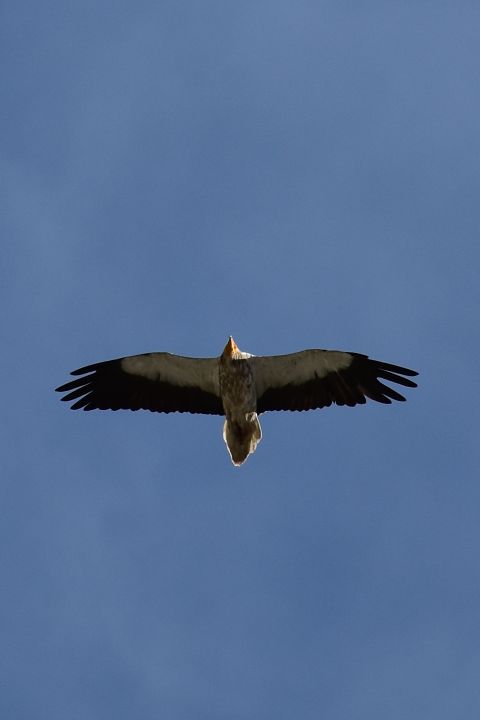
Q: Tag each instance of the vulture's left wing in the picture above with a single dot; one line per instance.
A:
(317, 378)
(159, 382)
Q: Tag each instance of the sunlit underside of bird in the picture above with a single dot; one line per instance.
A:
(237, 385)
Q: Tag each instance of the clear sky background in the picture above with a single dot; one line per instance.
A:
(299, 174)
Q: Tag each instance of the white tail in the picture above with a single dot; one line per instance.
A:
(242, 438)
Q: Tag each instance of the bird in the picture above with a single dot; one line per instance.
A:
(237, 385)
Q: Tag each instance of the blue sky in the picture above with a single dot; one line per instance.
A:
(299, 175)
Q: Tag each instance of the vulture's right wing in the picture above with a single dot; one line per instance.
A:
(159, 382)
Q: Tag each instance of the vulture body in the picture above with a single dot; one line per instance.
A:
(236, 385)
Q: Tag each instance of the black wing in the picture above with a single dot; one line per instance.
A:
(317, 378)
(159, 382)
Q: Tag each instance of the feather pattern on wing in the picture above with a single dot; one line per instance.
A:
(160, 382)
(317, 378)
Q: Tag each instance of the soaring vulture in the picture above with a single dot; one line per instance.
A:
(237, 385)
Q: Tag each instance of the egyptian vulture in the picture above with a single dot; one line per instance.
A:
(237, 385)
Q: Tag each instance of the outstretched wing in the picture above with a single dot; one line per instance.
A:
(159, 382)
(317, 378)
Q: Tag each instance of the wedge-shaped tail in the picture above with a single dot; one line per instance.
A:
(242, 438)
